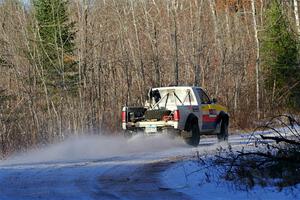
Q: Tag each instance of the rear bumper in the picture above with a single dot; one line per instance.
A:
(143, 125)
(161, 127)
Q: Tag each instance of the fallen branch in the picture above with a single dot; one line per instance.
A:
(280, 139)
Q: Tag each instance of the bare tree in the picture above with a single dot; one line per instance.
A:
(296, 13)
(257, 70)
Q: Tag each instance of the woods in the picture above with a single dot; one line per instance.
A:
(67, 67)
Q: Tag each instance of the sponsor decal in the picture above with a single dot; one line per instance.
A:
(213, 113)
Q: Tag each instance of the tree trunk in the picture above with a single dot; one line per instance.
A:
(257, 58)
(217, 72)
(296, 16)
(175, 37)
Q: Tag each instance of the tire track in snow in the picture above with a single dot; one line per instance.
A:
(141, 183)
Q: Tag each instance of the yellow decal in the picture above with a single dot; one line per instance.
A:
(207, 107)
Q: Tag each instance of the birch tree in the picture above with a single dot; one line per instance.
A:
(296, 13)
(257, 58)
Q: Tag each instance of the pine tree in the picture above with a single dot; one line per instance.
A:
(56, 44)
(279, 48)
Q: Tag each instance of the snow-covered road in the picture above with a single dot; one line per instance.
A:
(113, 168)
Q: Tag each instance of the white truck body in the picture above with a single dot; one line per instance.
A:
(182, 104)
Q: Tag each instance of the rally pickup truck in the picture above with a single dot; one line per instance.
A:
(177, 110)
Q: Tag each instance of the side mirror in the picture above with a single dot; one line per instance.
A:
(214, 100)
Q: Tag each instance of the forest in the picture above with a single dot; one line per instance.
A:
(68, 66)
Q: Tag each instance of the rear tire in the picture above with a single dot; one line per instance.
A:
(195, 139)
(223, 135)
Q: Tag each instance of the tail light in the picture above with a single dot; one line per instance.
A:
(124, 116)
(176, 115)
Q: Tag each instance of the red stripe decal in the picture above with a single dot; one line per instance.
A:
(206, 118)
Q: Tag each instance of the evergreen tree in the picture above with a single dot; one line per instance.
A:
(56, 44)
(279, 47)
